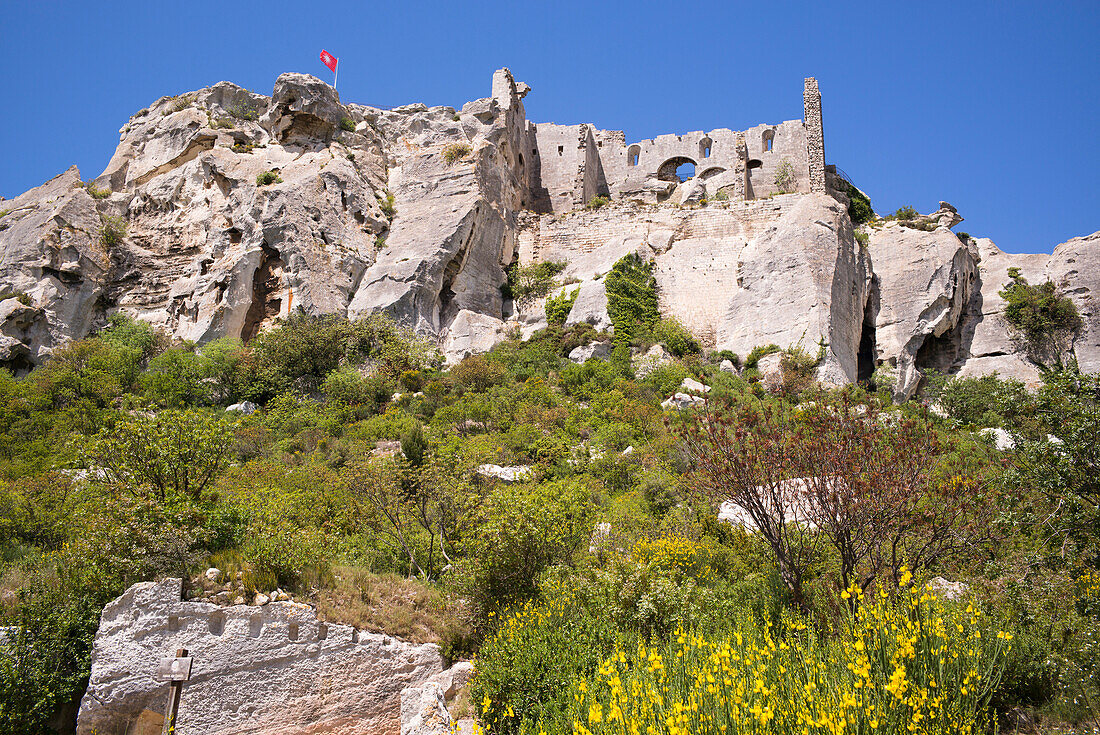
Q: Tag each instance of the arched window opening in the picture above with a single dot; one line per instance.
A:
(704, 147)
(769, 139)
(632, 154)
(680, 168)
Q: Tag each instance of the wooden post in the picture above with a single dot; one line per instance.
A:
(176, 670)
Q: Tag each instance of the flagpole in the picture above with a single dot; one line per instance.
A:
(335, 74)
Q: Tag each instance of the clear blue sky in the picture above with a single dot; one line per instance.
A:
(992, 106)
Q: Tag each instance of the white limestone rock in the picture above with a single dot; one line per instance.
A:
(248, 664)
(1001, 439)
(654, 358)
(245, 407)
(469, 334)
(726, 366)
(694, 386)
(681, 401)
(925, 283)
(424, 711)
(947, 590)
(590, 307)
(592, 350)
(504, 474)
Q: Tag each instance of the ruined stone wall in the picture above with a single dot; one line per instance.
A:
(562, 154)
(257, 669)
(788, 142)
(815, 136)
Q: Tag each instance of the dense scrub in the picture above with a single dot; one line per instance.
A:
(355, 486)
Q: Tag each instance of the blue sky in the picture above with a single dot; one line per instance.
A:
(990, 106)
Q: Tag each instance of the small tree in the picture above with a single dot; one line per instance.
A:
(172, 454)
(784, 177)
(1047, 319)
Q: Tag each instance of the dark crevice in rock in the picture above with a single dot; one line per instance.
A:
(866, 357)
(265, 285)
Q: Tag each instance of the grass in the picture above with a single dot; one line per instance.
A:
(112, 229)
(387, 603)
(268, 177)
(596, 202)
(387, 205)
(95, 192)
(455, 151)
(347, 124)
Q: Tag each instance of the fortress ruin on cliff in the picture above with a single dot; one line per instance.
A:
(570, 165)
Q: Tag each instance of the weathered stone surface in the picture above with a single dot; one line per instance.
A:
(584, 353)
(680, 401)
(590, 307)
(654, 358)
(504, 474)
(469, 333)
(424, 711)
(726, 366)
(925, 282)
(947, 590)
(690, 384)
(250, 665)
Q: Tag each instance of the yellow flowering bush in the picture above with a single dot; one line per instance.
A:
(908, 664)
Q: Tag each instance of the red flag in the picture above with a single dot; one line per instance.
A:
(328, 60)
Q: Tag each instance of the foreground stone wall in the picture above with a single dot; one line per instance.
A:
(257, 670)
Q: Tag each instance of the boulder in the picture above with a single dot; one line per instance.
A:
(654, 358)
(245, 407)
(590, 307)
(504, 474)
(680, 401)
(690, 384)
(726, 366)
(424, 711)
(946, 590)
(1001, 439)
(693, 192)
(249, 663)
(597, 350)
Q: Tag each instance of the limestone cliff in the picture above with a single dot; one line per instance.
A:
(222, 210)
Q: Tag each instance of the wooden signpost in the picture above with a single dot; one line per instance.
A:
(176, 670)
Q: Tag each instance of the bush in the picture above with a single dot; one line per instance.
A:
(760, 351)
(521, 530)
(596, 202)
(526, 667)
(984, 401)
(1047, 319)
(530, 282)
(558, 307)
(675, 337)
(284, 558)
(95, 192)
(631, 298)
(784, 177)
(862, 238)
(904, 214)
(859, 206)
(387, 205)
(455, 151)
(268, 177)
(243, 112)
(894, 664)
(112, 230)
(347, 124)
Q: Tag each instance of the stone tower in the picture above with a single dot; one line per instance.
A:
(815, 136)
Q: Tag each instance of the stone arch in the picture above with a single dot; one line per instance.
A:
(768, 140)
(711, 172)
(667, 170)
(704, 146)
(632, 154)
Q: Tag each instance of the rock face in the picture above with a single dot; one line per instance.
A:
(270, 669)
(223, 210)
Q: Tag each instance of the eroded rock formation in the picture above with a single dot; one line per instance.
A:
(231, 209)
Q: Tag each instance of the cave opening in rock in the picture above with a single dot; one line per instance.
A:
(866, 357)
(265, 289)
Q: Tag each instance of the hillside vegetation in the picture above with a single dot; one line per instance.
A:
(600, 592)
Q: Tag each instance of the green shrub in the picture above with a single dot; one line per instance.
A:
(984, 401)
(242, 147)
(379, 242)
(530, 282)
(631, 298)
(720, 355)
(386, 204)
(521, 530)
(455, 151)
(904, 214)
(784, 177)
(596, 202)
(758, 352)
(862, 238)
(526, 666)
(666, 379)
(284, 558)
(268, 177)
(859, 206)
(244, 112)
(95, 192)
(21, 296)
(112, 230)
(1046, 318)
(347, 124)
(964, 237)
(674, 336)
(558, 307)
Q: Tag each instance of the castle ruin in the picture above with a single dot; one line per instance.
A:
(572, 164)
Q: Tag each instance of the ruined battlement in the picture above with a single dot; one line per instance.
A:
(572, 164)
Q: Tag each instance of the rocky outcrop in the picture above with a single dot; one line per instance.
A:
(270, 669)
